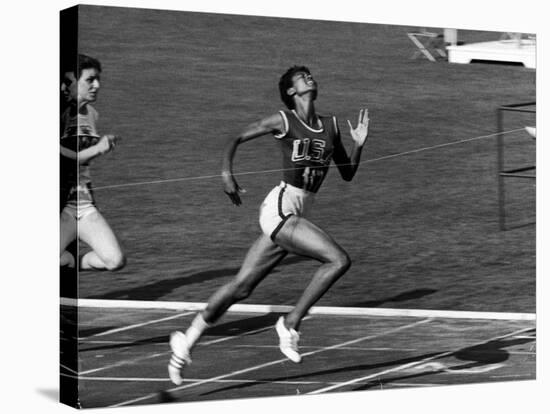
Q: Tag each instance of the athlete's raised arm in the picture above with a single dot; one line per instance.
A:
(270, 124)
(348, 165)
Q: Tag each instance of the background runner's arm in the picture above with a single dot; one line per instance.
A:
(105, 144)
(257, 129)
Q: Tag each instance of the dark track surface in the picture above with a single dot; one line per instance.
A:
(239, 358)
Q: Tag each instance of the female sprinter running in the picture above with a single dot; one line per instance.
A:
(308, 142)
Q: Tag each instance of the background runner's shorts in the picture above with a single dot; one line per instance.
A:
(282, 202)
(80, 202)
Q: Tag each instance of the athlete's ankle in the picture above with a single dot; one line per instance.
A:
(291, 322)
(196, 330)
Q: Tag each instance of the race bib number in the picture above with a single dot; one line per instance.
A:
(313, 178)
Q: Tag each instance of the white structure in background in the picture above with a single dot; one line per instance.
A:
(450, 36)
(511, 47)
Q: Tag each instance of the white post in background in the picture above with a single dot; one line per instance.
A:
(450, 36)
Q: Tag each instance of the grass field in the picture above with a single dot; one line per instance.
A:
(421, 228)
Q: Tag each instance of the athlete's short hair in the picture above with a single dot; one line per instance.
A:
(87, 62)
(286, 82)
(78, 64)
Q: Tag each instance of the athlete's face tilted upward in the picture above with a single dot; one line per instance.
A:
(302, 83)
(294, 79)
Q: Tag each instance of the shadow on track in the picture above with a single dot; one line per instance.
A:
(158, 289)
(491, 352)
(233, 328)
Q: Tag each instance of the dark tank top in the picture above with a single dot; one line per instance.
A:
(307, 151)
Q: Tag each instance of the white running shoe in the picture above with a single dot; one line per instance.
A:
(288, 341)
(180, 356)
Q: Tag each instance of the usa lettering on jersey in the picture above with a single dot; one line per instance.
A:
(308, 150)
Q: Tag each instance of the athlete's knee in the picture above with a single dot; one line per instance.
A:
(115, 262)
(341, 260)
(66, 259)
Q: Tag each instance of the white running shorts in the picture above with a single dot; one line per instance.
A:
(78, 212)
(282, 202)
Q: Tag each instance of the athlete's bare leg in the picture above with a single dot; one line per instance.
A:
(106, 253)
(67, 235)
(261, 258)
(302, 237)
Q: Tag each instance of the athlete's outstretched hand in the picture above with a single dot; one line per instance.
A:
(232, 189)
(360, 133)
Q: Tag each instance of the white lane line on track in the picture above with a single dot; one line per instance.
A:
(242, 381)
(514, 376)
(137, 325)
(347, 348)
(227, 338)
(125, 362)
(192, 380)
(441, 367)
(414, 384)
(205, 343)
(315, 310)
(344, 348)
(410, 364)
(278, 361)
(207, 177)
(68, 369)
